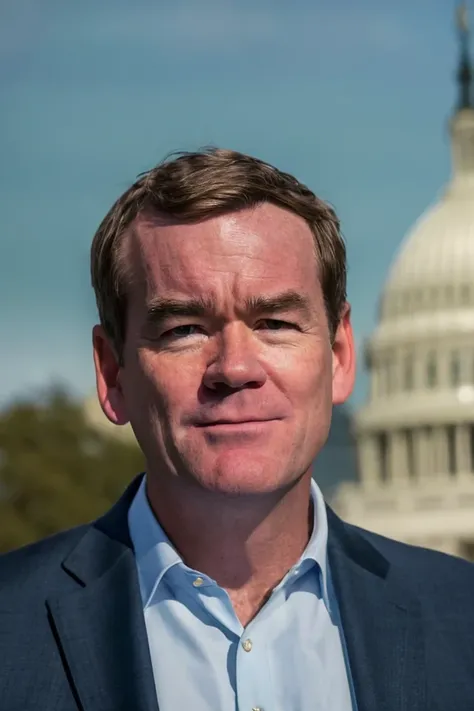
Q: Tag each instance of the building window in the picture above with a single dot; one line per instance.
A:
(451, 440)
(431, 371)
(455, 369)
(383, 456)
(408, 372)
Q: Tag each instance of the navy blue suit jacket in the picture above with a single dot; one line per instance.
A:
(73, 637)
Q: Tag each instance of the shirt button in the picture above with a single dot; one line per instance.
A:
(198, 582)
(247, 645)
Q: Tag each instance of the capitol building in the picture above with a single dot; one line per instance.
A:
(415, 435)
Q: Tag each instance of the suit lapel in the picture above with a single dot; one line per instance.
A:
(100, 626)
(381, 623)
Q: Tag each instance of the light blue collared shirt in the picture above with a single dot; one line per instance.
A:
(290, 657)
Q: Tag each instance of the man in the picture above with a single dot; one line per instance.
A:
(220, 580)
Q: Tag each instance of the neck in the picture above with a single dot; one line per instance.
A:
(246, 544)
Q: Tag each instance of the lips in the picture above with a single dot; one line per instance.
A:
(232, 421)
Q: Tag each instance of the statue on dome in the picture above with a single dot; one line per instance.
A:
(465, 68)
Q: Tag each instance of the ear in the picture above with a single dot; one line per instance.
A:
(107, 373)
(343, 359)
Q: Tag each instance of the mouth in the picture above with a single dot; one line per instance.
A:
(237, 423)
(238, 427)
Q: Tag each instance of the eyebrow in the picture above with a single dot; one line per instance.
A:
(160, 309)
(279, 303)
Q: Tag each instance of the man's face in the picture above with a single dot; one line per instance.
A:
(229, 374)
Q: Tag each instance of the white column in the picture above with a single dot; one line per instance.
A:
(463, 451)
(440, 449)
(427, 436)
(398, 466)
(423, 453)
(419, 453)
(369, 461)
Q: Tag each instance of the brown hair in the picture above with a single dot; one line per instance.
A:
(195, 186)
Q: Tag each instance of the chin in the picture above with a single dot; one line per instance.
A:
(236, 474)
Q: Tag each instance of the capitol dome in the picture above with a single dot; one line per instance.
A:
(439, 250)
(415, 434)
(430, 286)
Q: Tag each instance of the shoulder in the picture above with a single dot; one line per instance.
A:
(422, 568)
(35, 569)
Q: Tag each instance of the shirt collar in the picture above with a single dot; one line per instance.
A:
(155, 554)
(316, 550)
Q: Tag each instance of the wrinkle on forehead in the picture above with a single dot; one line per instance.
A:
(241, 250)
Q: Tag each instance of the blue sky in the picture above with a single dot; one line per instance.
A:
(351, 97)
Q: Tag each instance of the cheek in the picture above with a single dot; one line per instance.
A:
(316, 392)
(143, 386)
(168, 385)
(306, 377)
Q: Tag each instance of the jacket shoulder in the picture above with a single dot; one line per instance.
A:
(422, 566)
(35, 569)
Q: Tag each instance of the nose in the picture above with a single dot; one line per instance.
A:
(236, 364)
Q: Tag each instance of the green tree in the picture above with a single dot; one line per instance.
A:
(56, 470)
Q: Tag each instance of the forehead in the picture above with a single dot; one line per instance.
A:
(261, 249)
